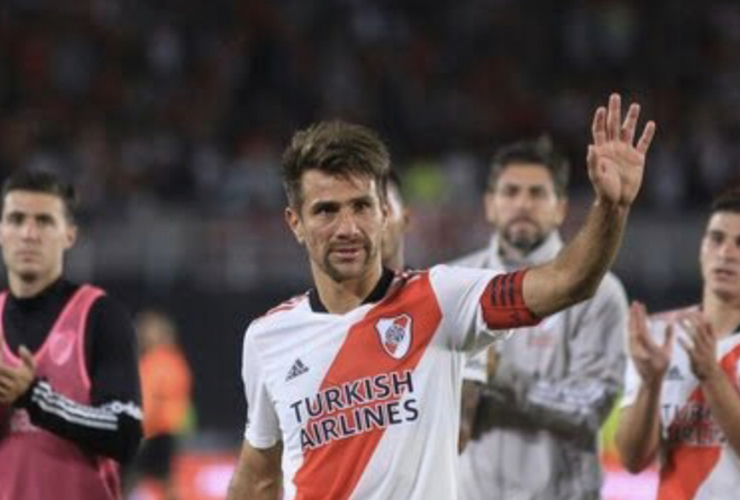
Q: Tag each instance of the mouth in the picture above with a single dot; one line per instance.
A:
(347, 253)
(724, 273)
(27, 254)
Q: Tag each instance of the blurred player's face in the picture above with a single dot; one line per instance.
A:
(720, 255)
(34, 234)
(395, 227)
(524, 207)
(340, 221)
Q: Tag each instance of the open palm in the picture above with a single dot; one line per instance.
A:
(616, 165)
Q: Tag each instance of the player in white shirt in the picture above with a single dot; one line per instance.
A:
(353, 388)
(682, 399)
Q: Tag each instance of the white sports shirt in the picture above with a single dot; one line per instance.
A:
(367, 404)
(696, 461)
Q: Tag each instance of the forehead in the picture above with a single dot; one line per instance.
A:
(727, 222)
(32, 203)
(525, 174)
(318, 186)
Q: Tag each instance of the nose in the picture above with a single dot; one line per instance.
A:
(523, 202)
(729, 251)
(30, 230)
(347, 225)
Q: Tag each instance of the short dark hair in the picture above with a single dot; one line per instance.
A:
(541, 152)
(335, 148)
(727, 201)
(41, 181)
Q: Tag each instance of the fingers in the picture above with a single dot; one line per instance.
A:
(668, 339)
(647, 137)
(613, 119)
(598, 127)
(687, 347)
(627, 133)
(27, 358)
(700, 331)
(637, 319)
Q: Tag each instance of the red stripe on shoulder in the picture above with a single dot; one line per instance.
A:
(285, 306)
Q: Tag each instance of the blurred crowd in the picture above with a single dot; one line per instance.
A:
(188, 103)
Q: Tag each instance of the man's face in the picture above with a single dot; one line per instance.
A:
(340, 222)
(720, 255)
(524, 207)
(34, 234)
(395, 228)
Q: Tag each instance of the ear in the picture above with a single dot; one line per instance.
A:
(70, 236)
(561, 209)
(293, 218)
(489, 206)
(406, 219)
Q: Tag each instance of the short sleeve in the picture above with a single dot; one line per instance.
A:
(479, 306)
(262, 429)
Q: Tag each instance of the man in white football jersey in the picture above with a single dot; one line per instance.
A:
(353, 388)
(683, 403)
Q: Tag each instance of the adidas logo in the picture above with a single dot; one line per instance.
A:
(297, 369)
(674, 373)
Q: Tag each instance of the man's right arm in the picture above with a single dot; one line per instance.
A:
(257, 475)
(615, 168)
(638, 431)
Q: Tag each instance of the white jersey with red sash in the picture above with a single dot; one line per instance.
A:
(367, 403)
(37, 464)
(696, 462)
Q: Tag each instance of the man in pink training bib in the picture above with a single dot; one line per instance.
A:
(70, 411)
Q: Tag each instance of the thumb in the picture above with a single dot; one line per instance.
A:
(668, 339)
(27, 358)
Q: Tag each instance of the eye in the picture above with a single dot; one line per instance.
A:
(509, 191)
(324, 209)
(716, 237)
(362, 205)
(538, 192)
(45, 221)
(15, 218)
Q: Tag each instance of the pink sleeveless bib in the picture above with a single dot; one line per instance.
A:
(36, 464)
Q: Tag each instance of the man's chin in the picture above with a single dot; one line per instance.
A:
(725, 291)
(28, 275)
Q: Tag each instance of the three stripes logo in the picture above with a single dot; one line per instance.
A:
(674, 374)
(297, 369)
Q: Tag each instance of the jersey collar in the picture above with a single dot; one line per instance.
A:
(381, 288)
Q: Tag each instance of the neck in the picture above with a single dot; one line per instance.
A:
(24, 289)
(340, 297)
(723, 314)
(512, 255)
(395, 263)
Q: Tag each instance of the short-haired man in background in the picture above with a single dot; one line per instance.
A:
(396, 225)
(546, 390)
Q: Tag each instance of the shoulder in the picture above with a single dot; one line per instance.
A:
(611, 288)
(287, 312)
(474, 259)
(107, 309)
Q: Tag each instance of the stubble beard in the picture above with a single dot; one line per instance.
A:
(339, 275)
(524, 242)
